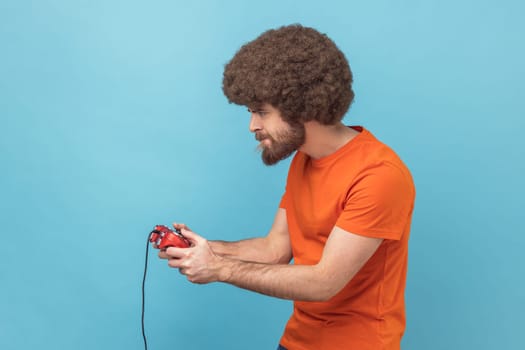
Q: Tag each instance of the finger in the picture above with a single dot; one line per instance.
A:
(176, 253)
(175, 263)
(162, 254)
(180, 226)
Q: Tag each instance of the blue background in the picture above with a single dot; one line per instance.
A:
(112, 120)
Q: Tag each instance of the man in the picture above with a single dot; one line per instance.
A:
(345, 215)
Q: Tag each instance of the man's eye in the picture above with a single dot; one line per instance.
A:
(259, 113)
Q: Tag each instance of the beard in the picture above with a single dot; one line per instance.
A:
(282, 145)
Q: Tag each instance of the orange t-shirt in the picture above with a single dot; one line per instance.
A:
(363, 188)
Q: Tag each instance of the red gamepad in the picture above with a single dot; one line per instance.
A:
(165, 237)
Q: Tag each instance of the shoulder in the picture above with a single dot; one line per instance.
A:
(375, 157)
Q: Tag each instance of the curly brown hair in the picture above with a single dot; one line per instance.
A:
(296, 69)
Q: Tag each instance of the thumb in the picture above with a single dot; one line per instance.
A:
(192, 236)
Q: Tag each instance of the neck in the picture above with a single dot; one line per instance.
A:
(323, 140)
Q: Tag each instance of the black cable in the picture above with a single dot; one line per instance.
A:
(143, 285)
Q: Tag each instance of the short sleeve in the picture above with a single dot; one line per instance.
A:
(379, 204)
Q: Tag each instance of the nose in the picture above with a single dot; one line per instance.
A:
(255, 122)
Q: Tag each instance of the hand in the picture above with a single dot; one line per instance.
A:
(177, 226)
(198, 263)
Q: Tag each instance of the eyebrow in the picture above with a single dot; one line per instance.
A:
(256, 110)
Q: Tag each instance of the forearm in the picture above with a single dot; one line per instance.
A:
(254, 249)
(343, 256)
(295, 282)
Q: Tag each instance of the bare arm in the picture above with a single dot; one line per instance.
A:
(343, 256)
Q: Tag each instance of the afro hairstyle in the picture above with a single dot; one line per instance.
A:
(296, 69)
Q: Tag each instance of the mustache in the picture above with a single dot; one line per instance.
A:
(261, 136)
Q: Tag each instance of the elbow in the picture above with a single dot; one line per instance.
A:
(319, 294)
(326, 285)
(325, 294)
(279, 260)
(281, 257)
